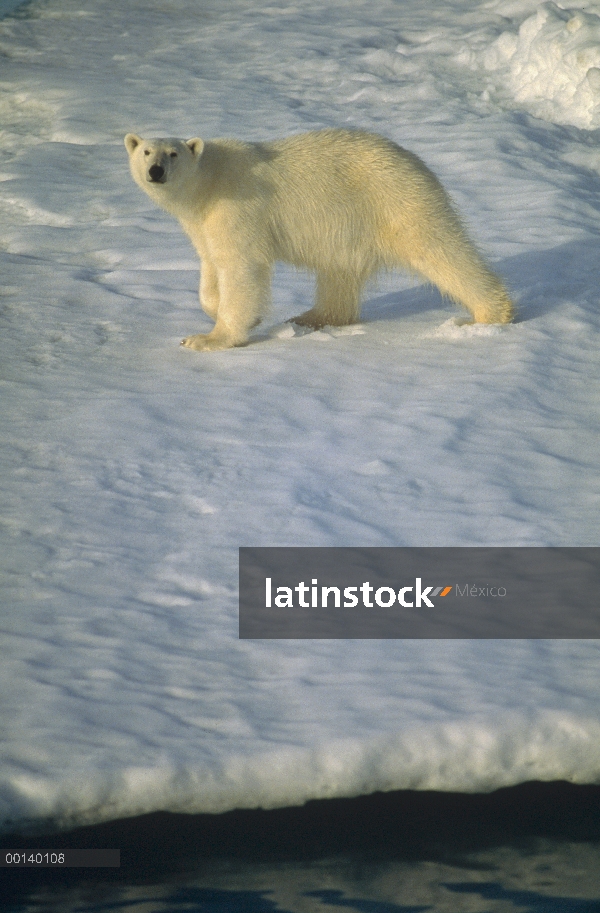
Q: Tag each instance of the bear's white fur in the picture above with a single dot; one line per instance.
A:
(343, 203)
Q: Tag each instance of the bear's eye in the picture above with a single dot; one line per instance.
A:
(173, 155)
(146, 152)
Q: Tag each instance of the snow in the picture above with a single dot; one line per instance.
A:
(553, 64)
(132, 470)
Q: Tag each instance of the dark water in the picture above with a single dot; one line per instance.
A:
(9, 6)
(531, 848)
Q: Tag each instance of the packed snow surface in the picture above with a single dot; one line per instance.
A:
(132, 469)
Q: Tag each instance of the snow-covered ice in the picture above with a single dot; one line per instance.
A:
(132, 470)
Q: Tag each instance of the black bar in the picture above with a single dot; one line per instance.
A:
(419, 592)
(59, 859)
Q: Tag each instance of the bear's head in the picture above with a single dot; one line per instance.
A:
(162, 167)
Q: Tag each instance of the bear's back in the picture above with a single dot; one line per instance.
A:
(331, 192)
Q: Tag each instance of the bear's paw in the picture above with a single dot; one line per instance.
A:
(207, 342)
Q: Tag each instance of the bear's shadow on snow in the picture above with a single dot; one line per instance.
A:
(539, 281)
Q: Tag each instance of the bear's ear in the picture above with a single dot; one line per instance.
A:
(196, 145)
(132, 142)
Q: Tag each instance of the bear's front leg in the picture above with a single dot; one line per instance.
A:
(209, 288)
(209, 302)
(244, 294)
(210, 342)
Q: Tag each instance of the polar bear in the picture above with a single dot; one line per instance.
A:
(342, 203)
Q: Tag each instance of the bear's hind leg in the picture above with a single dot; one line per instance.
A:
(337, 301)
(461, 273)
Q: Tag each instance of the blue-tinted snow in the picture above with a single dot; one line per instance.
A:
(133, 470)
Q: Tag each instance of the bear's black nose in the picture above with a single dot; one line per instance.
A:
(157, 173)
